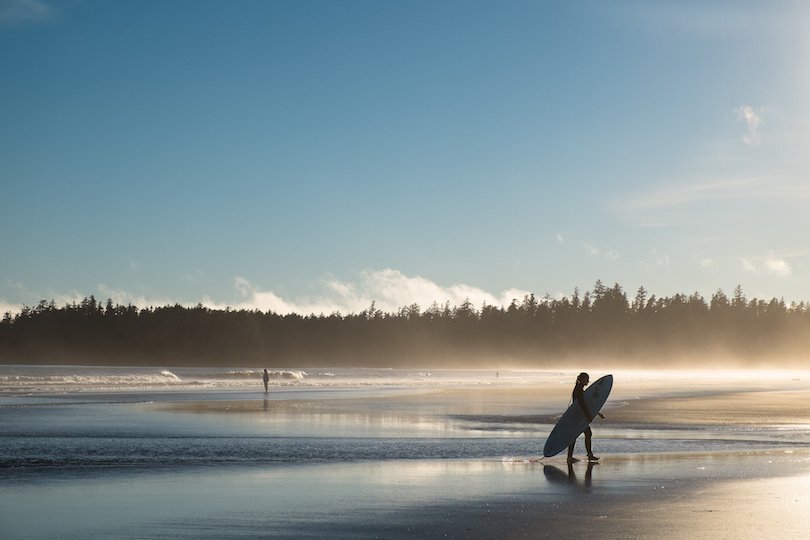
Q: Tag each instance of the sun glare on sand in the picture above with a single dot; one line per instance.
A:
(765, 374)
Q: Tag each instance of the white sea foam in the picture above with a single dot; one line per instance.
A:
(169, 375)
(297, 375)
(250, 374)
(72, 380)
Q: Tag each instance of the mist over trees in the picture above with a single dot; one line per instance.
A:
(603, 325)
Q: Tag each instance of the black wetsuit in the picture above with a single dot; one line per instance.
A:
(578, 396)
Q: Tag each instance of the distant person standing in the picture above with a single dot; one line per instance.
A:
(578, 395)
(265, 379)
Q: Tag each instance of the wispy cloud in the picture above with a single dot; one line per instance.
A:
(771, 264)
(656, 260)
(24, 10)
(688, 193)
(691, 203)
(778, 267)
(19, 289)
(594, 251)
(752, 119)
(748, 266)
(32, 298)
(559, 237)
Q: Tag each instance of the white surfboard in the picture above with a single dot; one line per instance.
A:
(573, 422)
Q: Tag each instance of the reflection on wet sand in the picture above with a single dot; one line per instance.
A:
(742, 496)
(554, 475)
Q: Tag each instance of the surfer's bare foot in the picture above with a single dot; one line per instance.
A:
(572, 459)
(593, 458)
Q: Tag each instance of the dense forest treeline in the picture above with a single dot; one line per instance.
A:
(601, 325)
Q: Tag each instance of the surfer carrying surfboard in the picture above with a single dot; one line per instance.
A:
(578, 395)
(578, 417)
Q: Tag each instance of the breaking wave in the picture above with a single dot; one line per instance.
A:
(257, 374)
(161, 378)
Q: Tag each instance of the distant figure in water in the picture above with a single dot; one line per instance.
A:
(578, 395)
(266, 379)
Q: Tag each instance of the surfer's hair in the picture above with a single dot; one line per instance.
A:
(582, 376)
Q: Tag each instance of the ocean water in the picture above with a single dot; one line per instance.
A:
(87, 442)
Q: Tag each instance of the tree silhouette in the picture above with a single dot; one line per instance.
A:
(600, 325)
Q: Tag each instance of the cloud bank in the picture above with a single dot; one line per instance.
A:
(389, 289)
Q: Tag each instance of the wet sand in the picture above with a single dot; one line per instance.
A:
(697, 496)
(756, 495)
(772, 407)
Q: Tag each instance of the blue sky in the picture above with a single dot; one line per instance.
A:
(315, 156)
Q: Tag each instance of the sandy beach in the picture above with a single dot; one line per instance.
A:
(714, 456)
